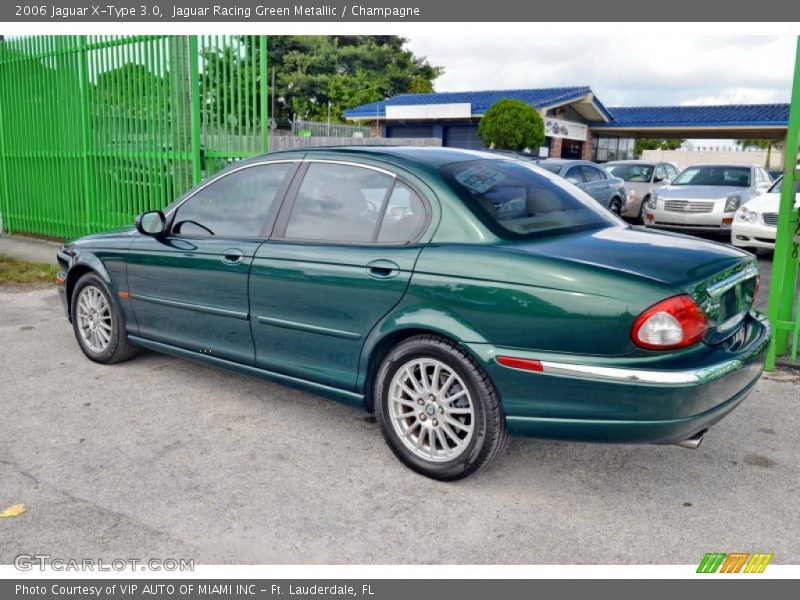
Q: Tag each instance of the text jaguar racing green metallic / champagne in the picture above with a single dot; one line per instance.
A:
(457, 294)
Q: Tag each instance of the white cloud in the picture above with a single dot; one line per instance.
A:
(656, 68)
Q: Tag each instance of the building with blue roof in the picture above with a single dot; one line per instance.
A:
(577, 124)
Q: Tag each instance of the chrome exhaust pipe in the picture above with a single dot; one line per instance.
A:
(693, 443)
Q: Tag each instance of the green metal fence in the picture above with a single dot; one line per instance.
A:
(96, 129)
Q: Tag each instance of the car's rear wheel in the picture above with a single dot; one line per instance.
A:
(97, 322)
(615, 206)
(437, 408)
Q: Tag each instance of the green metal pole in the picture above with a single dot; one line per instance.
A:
(88, 179)
(784, 264)
(194, 103)
(263, 90)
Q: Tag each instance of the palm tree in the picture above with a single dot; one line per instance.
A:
(767, 145)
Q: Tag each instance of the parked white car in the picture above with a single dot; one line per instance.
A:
(755, 224)
(705, 197)
(641, 177)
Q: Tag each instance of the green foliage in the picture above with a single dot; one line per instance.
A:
(767, 145)
(511, 125)
(345, 71)
(760, 144)
(643, 144)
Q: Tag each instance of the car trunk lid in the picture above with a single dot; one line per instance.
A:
(721, 279)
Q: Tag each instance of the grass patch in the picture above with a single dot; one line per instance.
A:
(13, 270)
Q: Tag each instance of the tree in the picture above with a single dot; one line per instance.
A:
(346, 71)
(767, 145)
(643, 144)
(511, 125)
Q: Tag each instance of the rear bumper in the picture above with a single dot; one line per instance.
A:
(634, 400)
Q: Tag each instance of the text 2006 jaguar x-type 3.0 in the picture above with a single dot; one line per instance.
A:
(457, 294)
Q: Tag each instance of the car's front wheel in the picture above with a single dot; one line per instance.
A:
(642, 207)
(98, 324)
(615, 206)
(437, 408)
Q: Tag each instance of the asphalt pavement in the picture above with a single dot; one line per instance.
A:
(162, 457)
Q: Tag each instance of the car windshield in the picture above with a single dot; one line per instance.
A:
(631, 172)
(776, 187)
(714, 175)
(518, 201)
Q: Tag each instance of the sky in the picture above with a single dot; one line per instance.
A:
(657, 68)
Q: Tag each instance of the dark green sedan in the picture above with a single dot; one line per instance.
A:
(459, 295)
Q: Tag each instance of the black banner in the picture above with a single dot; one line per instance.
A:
(279, 11)
(390, 589)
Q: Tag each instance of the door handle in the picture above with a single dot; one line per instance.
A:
(232, 256)
(383, 269)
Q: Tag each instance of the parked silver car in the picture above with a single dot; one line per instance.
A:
(593, 179)
(641, 177)
(705, 197)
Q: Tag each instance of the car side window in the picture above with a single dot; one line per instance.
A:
(592, 174)
(235, 205)
(672, 172)
(574, 175)
(340, 203)
(661, 173)
(404, 216)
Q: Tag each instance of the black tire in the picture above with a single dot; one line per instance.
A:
(119, 349)
(642, 206)
(489, 435)
(615, 206)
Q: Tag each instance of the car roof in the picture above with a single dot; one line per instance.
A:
(567, 161)
(431, 156)
(637, 162)
(724, 165)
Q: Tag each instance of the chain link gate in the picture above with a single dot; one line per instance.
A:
(97, 129)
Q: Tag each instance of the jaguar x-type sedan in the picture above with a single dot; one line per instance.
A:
(388, 277)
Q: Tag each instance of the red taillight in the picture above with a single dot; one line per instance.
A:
(526, 364)
(676, 322)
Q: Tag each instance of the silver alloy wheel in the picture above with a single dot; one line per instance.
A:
(94, 319)
(431, 410)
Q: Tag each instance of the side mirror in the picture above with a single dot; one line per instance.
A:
(658, 179)
(151, 223)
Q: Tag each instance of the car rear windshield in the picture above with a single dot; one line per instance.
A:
(632, 173)
(518, 201)
(714, 175)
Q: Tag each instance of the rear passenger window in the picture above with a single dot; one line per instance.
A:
(404, 216)
(338, 203)
(592, 174)
(235, 205)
